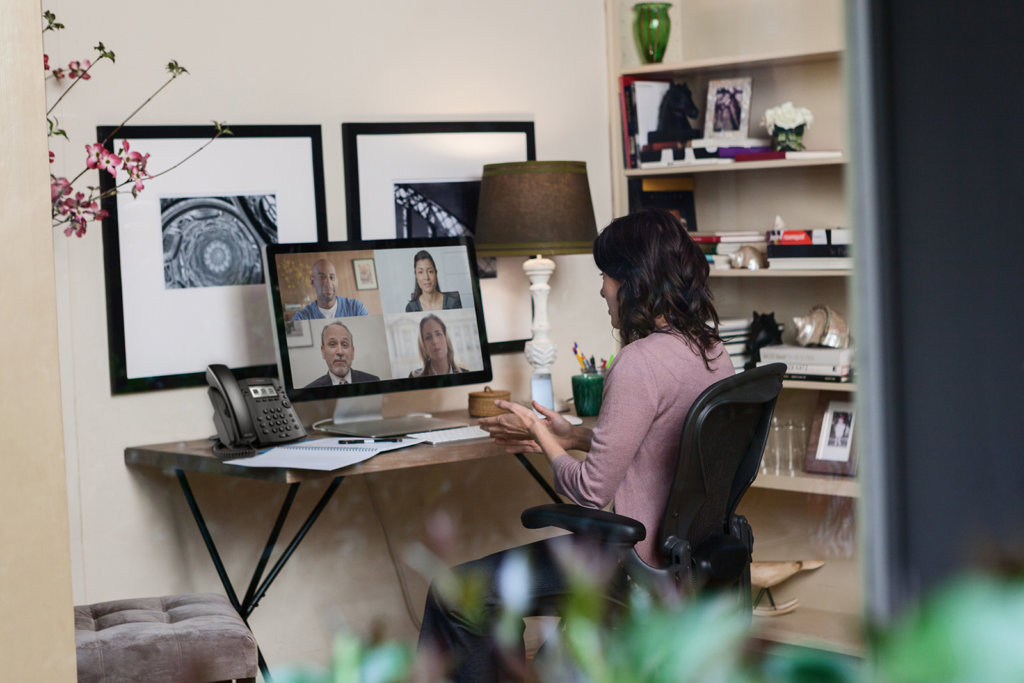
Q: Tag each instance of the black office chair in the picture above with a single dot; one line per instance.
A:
(704, 543)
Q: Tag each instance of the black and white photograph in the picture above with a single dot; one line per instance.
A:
(406, 180)
(830, 448)
(728, 108)
(183, 260)
(441, 208)
(216, 241)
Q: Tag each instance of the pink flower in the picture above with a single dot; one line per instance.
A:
(58, 188)
(46, 62)
(58, 73)
(77, 69)
(135, 166)
(99, 157)
(51, 157)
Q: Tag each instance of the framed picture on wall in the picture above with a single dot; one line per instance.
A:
(727, 114)
(408, 180)
(365, 273)
(830, 442)
(183, 260)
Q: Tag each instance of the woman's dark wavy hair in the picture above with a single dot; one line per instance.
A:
(662, 272)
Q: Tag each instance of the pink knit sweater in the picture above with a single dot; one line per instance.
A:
(647, 393)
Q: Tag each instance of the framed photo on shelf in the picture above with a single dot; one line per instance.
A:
(407, 180)
(728, 110)
(365, 273)
(830, 443)
(183, 260)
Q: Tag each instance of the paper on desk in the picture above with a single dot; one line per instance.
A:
(321, 454)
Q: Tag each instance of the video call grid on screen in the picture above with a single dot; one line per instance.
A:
(378, 276)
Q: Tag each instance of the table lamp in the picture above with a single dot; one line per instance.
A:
(538, 209)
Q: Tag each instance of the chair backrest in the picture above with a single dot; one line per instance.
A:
(720, 453)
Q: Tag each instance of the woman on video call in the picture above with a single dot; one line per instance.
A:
(427, 294)
(435, 349)
(654, 281)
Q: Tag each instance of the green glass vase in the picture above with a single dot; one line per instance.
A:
(651, 28)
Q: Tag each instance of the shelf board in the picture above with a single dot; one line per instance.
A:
(807, 627)
(818, 386)
(768, 272)
(715, 64)
(683, 169)
(802, 482)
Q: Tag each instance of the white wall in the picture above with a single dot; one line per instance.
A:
(325, 63)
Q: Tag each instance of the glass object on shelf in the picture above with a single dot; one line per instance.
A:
(651, 27)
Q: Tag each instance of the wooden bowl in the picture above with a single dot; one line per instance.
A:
(481, 403)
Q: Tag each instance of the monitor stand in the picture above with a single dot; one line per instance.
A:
(362, 416)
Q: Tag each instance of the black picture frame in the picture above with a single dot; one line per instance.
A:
(260, 182)
(363, 197)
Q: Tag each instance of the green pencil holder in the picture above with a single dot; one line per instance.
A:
(586, 393)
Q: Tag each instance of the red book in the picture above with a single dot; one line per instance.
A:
(760, 156)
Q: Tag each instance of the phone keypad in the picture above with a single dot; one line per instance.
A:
(276, 420)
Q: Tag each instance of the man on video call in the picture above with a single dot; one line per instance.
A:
(328, 304)
(338, 349)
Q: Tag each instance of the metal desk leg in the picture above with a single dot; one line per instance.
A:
(257, 589)
(540, 478)
(225, 580)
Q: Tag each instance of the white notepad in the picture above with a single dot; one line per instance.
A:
(321, 454)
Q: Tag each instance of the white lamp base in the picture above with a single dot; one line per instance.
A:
(541, 352)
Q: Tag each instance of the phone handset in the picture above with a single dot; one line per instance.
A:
(230, 413)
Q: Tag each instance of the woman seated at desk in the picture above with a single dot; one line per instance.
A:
(655, 283)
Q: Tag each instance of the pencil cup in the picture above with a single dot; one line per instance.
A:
(586, 393)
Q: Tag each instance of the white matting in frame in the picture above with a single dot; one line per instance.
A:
(172, 332)
(379, 156)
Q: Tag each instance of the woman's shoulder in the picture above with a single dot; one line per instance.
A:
(413, 306)
(660, 348)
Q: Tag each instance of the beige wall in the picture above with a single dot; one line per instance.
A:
(36, 634)
(324, 63)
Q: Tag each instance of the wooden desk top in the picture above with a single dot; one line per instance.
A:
(197, 456)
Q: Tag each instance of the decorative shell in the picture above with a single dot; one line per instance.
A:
(748, 257)
(822, 326)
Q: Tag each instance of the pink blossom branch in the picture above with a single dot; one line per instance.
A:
(104, 54)
(176, 70)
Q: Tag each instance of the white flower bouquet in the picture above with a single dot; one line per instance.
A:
(787, 124)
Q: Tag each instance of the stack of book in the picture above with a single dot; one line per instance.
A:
(734, 333)
(812, 363)
(726, 242)
(825, 249)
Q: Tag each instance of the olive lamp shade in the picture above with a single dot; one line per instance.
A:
(535, 207)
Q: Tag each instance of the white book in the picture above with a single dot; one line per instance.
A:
(815, 154)
(647, 95)
(807, 354)
(811, 263)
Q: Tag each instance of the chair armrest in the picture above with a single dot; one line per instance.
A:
(604, 526)
(721, 561)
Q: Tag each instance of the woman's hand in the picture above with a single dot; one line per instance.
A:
(519, 429)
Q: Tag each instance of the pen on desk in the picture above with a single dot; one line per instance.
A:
(369, 440)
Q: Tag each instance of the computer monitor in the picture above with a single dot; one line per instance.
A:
(380, 332)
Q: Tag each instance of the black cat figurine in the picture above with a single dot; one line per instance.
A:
(764, 331)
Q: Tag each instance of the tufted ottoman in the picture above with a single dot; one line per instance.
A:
(176, 638)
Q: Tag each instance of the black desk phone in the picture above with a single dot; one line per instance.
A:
(251, 413)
